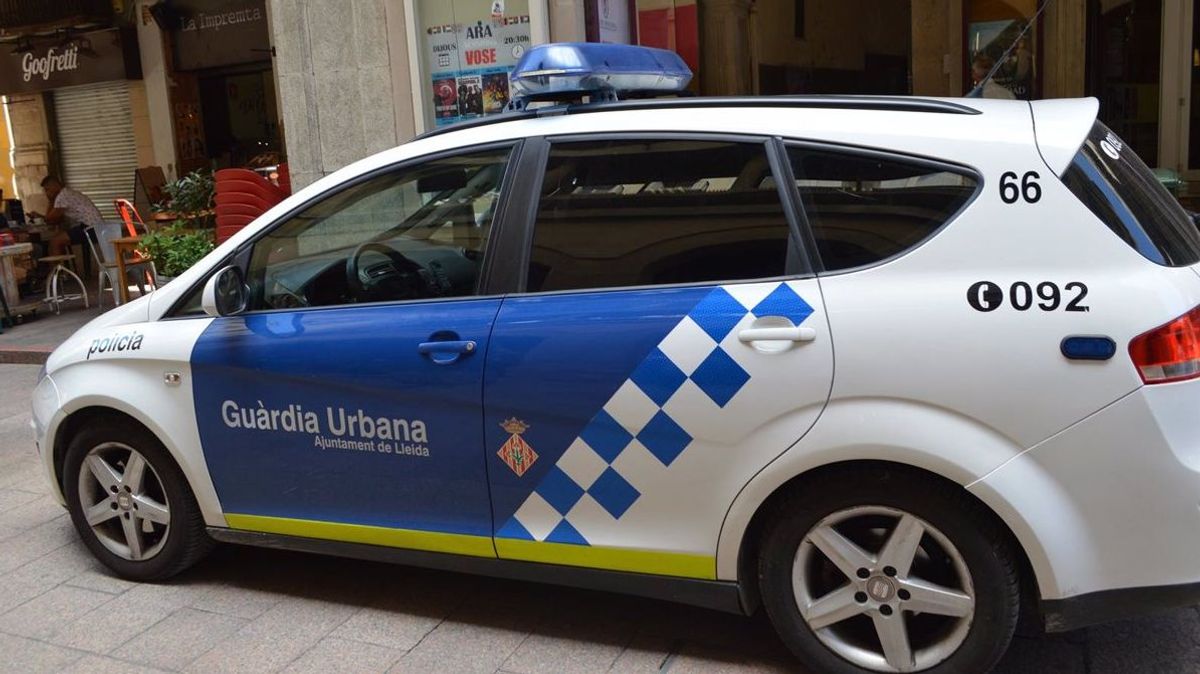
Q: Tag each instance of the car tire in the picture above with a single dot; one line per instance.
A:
(143, 528)
(960, 552)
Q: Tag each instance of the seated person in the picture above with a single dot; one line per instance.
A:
(70, 210)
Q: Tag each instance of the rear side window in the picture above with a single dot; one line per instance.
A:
(864, 209)
(648, 212)
(1113, 182)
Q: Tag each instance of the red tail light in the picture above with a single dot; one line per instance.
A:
(1170, 352)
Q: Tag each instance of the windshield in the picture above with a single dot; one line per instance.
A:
(1110, 179)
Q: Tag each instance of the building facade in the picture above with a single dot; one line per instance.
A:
(114, 95)
(185, 84)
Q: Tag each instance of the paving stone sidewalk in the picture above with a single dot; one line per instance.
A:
(251, 610)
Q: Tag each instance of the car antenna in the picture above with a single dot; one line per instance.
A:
(977, 92)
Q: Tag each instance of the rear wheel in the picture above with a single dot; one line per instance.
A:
(888, 571)
(130, 502)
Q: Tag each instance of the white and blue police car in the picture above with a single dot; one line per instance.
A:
(896, 370)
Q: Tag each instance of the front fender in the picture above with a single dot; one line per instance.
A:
(167, 411)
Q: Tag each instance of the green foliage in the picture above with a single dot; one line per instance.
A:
(190, 194)
(176, 248)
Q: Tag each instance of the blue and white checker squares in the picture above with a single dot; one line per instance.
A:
(586, 487)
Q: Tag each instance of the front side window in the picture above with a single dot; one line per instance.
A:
(414, 233)
(864, 209)
(618, 213)
(1113, 182)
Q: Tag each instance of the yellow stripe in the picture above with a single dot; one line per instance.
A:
(432, 541)
(680, 564)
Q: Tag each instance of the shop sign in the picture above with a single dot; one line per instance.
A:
(87, 58)
(213, 33)
(469, 64)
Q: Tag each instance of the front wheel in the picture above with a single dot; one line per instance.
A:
(130, 502)
(888, 571)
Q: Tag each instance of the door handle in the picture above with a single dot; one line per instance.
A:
(777, 335)
(446, 351)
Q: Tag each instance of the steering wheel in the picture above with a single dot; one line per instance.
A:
(405, 280)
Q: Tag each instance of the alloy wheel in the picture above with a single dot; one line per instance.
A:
(883, 589)
(124, 502)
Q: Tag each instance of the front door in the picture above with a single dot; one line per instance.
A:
(668, 345)
(346, 403)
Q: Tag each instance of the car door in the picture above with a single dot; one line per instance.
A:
(668, 342)
(346, 402)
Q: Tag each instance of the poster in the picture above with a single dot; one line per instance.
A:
(445, 98)
(495, 92)
(612, 21)
(470, 63)
(986, 43)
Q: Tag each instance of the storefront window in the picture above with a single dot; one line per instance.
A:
(467, 48)
(1123, 70)
(993, 26)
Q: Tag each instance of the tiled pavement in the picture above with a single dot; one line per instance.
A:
(260, 610)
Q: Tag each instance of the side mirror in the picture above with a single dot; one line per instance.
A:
(225, 293)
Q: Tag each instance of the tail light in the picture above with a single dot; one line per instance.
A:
(1170, 352)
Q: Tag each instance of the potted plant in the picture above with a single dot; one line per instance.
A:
(175, 248)
(189, 199)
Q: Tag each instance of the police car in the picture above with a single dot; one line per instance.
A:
(897, 370)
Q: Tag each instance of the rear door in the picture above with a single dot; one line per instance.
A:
(669, 342)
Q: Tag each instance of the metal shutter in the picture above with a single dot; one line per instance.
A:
(95, 142)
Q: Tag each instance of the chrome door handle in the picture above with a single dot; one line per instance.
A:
(777, 335)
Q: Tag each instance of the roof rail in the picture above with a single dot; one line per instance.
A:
(890, 103)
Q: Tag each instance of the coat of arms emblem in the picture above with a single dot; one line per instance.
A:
(517, 453)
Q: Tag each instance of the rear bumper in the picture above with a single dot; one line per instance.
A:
(1094, 608)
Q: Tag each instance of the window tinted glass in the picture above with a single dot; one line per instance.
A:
(864, 209)
(415, 233)
(1110, 179)
(629, 213)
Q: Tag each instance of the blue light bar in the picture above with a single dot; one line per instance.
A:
(570, 69)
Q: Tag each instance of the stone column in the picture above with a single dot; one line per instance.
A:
(1065, 42)
(335, 83)
(31, 148)
(155, 80)
(934, 40)
(725, 48)
(567, 21)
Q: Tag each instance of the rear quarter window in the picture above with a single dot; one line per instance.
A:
(1113, 182)
(864, 209)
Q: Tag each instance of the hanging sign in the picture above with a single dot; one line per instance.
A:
(212, 33)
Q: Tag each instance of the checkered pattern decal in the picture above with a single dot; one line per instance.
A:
(592, 484)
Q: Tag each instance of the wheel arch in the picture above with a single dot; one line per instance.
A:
(76, 413)
(748, 548)
(73, 422)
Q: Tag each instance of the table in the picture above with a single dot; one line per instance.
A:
(125, 246)
(8, 275)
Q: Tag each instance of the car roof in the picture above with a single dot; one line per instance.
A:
(883, 103)
(943, 128)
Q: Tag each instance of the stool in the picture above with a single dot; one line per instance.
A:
(53, 297)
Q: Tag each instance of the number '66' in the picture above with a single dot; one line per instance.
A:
(1029, 190)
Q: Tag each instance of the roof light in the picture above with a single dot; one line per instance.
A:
(563, 71)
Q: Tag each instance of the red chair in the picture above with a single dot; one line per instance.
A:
(241, 196)
(239, 209)
(134, 225)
